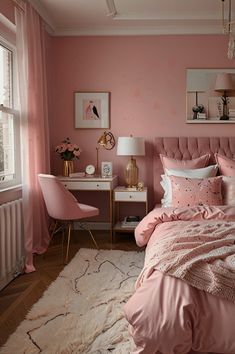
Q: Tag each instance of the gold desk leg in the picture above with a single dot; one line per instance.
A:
(111, 214)
(68, 242)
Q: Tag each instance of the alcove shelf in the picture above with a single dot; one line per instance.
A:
(209, 121)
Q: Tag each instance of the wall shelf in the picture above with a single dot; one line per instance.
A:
(209, 121)
(203, 96)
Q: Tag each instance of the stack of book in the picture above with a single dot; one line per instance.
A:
(231, 114)
(131, 221)
(77, 174)
(201, 116)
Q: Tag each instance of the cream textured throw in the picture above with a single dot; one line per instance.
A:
(202, 254)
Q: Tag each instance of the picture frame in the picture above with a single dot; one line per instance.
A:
(106, 169)
(92, 110)
(204, 102)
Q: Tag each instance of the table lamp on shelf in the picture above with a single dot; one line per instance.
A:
(131, 146)
(224, 84)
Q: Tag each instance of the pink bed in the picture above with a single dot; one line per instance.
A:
(178, 306)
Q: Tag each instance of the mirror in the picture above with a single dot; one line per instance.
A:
(210, 95)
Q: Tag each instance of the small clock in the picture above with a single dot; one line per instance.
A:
(90, 169)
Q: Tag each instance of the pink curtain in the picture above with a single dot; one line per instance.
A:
(30, 37)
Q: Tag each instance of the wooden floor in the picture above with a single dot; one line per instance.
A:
(17, 298)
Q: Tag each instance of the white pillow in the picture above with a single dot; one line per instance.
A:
(206, 172)
(228, 190)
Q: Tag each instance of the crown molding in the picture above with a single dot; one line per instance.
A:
(163, 28)
(49, 24)
(7, 23)
(170, 16)
(167, 23)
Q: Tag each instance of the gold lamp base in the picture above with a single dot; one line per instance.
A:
(131, 173)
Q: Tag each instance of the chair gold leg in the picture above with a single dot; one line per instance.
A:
(53, 229)
(62, 245)
(56, 228)
(68, 242)
(93, 239)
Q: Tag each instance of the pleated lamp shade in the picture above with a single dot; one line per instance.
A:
(224, 82)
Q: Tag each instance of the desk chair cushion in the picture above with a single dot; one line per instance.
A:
(61, 204)
(88, 210)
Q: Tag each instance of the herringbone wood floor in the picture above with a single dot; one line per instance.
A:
(17, 298)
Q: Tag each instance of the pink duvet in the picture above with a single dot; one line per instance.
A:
(166, 314)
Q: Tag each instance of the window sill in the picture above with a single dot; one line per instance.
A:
(16, 188)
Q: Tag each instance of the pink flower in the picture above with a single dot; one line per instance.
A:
(70, 147)
(63, 147)
(67, 150)
(77, 153)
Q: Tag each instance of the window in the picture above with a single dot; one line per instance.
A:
(9, 119)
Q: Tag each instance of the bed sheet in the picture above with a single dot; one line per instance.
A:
(168, 316)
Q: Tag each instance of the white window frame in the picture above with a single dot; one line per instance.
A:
(17, 180)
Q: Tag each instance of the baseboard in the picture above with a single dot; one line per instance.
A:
(92, 225)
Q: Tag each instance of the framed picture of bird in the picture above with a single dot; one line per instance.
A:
(92, 110)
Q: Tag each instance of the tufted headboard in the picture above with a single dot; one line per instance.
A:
(183, 148)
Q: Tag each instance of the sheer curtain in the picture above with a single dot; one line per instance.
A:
(30, 43)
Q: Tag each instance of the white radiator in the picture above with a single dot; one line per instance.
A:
(11, 241)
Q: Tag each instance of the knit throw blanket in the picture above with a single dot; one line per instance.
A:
(200, 253)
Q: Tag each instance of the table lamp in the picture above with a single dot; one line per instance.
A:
(131, 146)
(224, 84)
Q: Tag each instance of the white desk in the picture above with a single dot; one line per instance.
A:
(94, 183)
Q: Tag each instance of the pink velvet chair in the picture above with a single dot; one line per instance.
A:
(63, 206)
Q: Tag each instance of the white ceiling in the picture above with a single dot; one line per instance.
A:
(132, 17)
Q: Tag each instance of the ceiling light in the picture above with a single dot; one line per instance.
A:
(111, 7)
(228, 26)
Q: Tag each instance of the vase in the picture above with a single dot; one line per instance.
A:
(67, 168)
(131, 173)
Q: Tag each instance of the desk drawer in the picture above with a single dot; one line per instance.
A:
(87, 186)
(130, 196)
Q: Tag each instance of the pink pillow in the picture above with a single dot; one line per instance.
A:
(196, 191)
(228, 190)
(226, 165)
(200, 162)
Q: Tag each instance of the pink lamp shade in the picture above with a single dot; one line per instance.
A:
(224, 82)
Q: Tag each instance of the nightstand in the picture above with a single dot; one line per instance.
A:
(125, 195)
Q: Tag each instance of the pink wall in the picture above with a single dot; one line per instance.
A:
(146, 76)
(7, 9)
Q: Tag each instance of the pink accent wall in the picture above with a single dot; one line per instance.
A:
(146, 76)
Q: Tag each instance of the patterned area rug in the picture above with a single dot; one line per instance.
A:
(82, 310)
